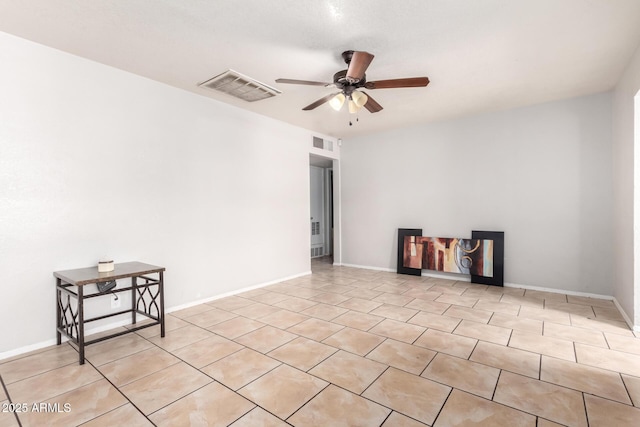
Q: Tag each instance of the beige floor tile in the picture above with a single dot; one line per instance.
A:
(546, 423)
(498, 307)
(256, 311)
(391, 289)
(447, 289)
(52, 383)
(8, 418)
(398, 331)
(330, 298)
(240, 368)
(212, 405)
(163, 387)
(283, 319)
(359, 304)
(446, 343)
(296, 304)
(259, 417)
(207, 351)
(564, 307)
(575, 334)
(612, 360)
(595, 302)
(483, 332)
(363, 293)
(507, 358)
(131, 368)
(266, 339)
(403, 356)
(622, 343)
(394, 312)
(633, 387)
(549, 346)
(465, 301)
(85, 403)
(605, 413)
(466, 410)
(230, 303)
(522, 300)
(549, 401)
(462, 374)
(428, 305)
(116, 348)
(324, 311)
(302, 292)
(238, 326)
(422, 292)
(302, 353)
(357, 320)
(191, 311)
(480, 316)
(315, 329)
(283, 390)
(255, 292)
(545, 314)
(396, 419)
(125, 415)
(610, 313)
(270, 298)
(337, 407)
(354, 341)
(336, 288)
(393, 299)
(584, 378)
(182, 337)
(604, 325)
(349, 371)
(517, 323)
(546, 296)
(408, 394)
(210, 317)
(170, 323)
(17, 369)
(435, 321)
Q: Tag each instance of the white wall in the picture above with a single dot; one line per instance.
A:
(541, 174)
(626, 172)
(96, 161)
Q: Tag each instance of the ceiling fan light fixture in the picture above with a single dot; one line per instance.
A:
(337, 101)
(359, 98)
(353, 108)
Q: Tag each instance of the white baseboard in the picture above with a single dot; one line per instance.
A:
(367, 267)
(48, 343)
(627, 319)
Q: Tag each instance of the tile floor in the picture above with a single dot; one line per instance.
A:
(348, 347)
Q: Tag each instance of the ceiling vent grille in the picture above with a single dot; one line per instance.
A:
(238, 85)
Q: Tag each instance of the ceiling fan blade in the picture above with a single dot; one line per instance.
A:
(302, 82)
(372, 105)
(359, 63)
(397, 83)
(319, 102)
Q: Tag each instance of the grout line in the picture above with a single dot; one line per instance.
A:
(6, 392)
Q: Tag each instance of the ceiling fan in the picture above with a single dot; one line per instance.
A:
(352, 79)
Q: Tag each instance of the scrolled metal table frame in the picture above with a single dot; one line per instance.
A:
(144, 300)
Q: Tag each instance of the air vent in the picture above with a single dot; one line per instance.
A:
(323, 144)
(238, 85)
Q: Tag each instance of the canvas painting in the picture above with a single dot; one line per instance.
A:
(450, 255)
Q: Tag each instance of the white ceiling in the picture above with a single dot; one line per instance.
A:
(480, 55)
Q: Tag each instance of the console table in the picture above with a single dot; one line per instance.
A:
(147, 299)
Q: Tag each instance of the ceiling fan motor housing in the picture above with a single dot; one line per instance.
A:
(341, 82)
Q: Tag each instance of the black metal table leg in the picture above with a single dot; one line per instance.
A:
(134, 299)
(81, 324)
(58, 311)
(161, 314)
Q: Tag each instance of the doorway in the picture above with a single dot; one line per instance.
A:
(321, 179)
